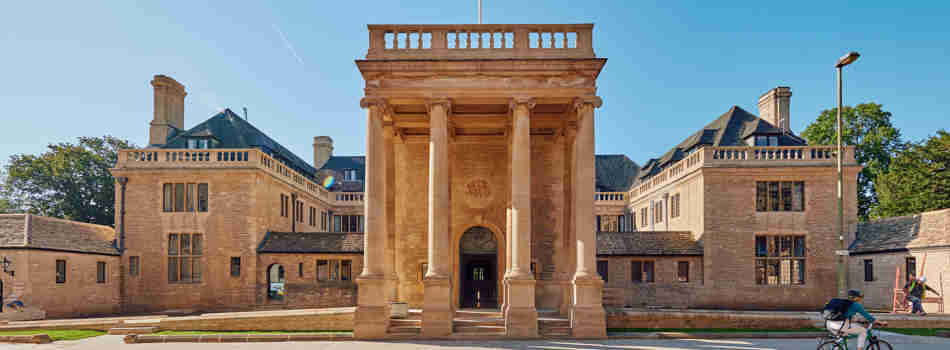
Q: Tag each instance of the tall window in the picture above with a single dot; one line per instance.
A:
(621, 223)
(682, 271)
(644, 219)
(347, 223)
(184, 197)
(779, 260)
(910, 269)
(349, 175)
(334, 270)
(283, 205)
(603, 269)
(235, 266)
(780, 196)
(675, 206)
(299, 269)
(641, 271)
(346, 270)
(100, 272)
(323, 220)
(658, 212)
(337, 224)
(184, 257)
(133, 266)
(868, 270)
(60, 271)
(597, 223)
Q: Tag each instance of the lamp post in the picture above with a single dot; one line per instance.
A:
(842, 283)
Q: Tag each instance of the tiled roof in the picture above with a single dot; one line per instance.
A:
(614, 172)
(651, 243)
(311, 242)
(926, 230)
(730, 129)
(232, 131)
(335, 166)
(55, 234)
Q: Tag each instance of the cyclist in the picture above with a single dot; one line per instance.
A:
(848, 327)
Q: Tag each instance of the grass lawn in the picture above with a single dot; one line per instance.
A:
(247, 332)
(710, 330)
(56, 335)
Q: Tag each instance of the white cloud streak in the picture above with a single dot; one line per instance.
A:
(288, 45)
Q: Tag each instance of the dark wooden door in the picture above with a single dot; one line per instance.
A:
(479, 281)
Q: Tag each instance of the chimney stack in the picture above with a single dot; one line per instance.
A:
(322, 150)
(169, 109)
(774, 107)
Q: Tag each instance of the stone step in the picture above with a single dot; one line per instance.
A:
(132, 330)
(478, 313)
(404, 330)
(479, 336)
(404, 322)
(554, 323)
(478, 322)
(548, 313)
(478, 329)
(555, 330)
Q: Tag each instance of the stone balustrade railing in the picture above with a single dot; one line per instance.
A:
(387, 41)
(609, 196)
(741, 155)
(220, 158)
(349, 198)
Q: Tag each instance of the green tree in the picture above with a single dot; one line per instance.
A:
(867, 127)
(918, 179)
(70, 181)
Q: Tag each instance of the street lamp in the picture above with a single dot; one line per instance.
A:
(842, 283)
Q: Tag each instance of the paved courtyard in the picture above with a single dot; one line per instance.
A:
(110, 342)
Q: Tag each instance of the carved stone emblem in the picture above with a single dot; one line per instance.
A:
(478, 192)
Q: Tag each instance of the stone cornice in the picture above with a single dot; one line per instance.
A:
(528, 102)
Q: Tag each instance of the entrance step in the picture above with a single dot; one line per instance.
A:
(478, 329)
(409, 326)
(405, 322)
(553, 327)
(476, 323)
(478, 313)
(470, 322)
(404, 329)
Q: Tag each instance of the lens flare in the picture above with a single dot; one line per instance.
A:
(328, 182)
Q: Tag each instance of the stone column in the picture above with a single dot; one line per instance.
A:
(588, 319)
(437, 310)
(521, 316)
(393, 291)
(372, 311)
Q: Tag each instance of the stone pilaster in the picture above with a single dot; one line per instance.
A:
(437, 310)
(588, 319)
(521, 315)
(372, 311)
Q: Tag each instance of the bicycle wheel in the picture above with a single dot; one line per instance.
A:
(830, 345)
(880, 345)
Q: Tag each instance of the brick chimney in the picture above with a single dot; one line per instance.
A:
(774, 107)
(322, 150)
(169, 109)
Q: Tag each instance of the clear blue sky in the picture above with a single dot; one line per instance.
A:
(82, 68)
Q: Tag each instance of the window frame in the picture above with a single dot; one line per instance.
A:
(100, 272)
(680, 275)
(603, 269)
(235, 266)
(868, 270)
(780, 260)
(61, 275)
(186, 258)
(134, 263)
(639, 275)
(780, 196)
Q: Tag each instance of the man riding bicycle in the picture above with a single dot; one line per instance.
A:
(843, 324)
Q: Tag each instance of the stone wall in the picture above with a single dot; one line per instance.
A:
(666, 290)
(34, 280)
(302, 288)
(879, 293)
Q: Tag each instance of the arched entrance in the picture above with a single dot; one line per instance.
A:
(275, 282)
(478, 259)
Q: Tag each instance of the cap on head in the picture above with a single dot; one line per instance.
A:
(854, 293)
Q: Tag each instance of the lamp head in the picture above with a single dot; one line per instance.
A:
(847, 59)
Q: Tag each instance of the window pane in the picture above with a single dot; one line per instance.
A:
(196, 244)
(798, 196)
(786, 247)
(173, 244)
(185, 244)
(346, 270)
(168, 198)
(196, 269)
(648, 270)
(172, 269)
(133, 266)
(60, 271)
(337, 224)
(636, 271)
(185, 269)
(180, 197)
(799, 246)
(798, 272)
(773, 245)
(235, 266)
(773, 140)
(910, 269)
(786, 196)
(761, 141)
(761, 246)
(773, 271)
(761, 196)
(785, 274)
(202, 197)
(190, 197)
(773, 196)
(354, 225)
(602, 267)
(334, 270)
(760, 272)
(323, 270)
(868, 270)
(683, 271)
(100, 272)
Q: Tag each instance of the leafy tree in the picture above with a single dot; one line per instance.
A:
(70, 181)
(918, 179)
(867, 127)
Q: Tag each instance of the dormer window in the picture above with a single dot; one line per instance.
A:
(763, 140)
(349, 175)
(199, 143)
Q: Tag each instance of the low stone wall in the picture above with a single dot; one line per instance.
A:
(26, 339)
(636, 318)
(284, 320)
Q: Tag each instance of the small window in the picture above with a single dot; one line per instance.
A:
(202, 197)
(180, 197)
(299, 269)
(60, 271)
(603, 269)
(133, 266)
(323, 270)
(597, 223)
(235, 266)
(337, 224)
(910, 269)
(100, 272)
(190, 197)
(346, 270)
(641, 272)
(868, 270)
(168, 202)
(682, 271)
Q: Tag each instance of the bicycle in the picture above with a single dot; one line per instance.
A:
(839, 340)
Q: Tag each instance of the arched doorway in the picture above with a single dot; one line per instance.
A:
(478, 259)
(275, 282)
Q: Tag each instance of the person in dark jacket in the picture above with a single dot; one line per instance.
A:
(916, 289)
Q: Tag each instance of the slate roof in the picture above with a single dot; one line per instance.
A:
(729, 129)
(648, 243)
(614, 172)
(335, 166)
(232, 131)
(55, 234)
(311, 242)
(925, 230)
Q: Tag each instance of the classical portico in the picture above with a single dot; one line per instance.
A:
(486, 129)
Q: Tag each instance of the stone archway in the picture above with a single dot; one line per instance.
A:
(478, 268)
(275, 282)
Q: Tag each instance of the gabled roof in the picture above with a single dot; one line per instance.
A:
(729, 129)
(614, 172)
(232, 131)
(336, 165)
(311, 242)
(925, 230)
(28, 231)
(647, 243)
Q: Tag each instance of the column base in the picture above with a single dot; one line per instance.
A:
(588, 318)
(521, 315)
(437, 311)
(371, 320)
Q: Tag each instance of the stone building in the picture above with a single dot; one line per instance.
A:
(886, 253)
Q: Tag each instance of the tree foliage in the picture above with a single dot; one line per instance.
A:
(70, 181)
(918, 179)
(867, 127)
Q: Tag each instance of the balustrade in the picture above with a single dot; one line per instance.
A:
(481, 40)
(609, 196)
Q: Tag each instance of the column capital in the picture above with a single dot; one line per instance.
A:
(585, 101)
(528, 102)
(439, 101)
